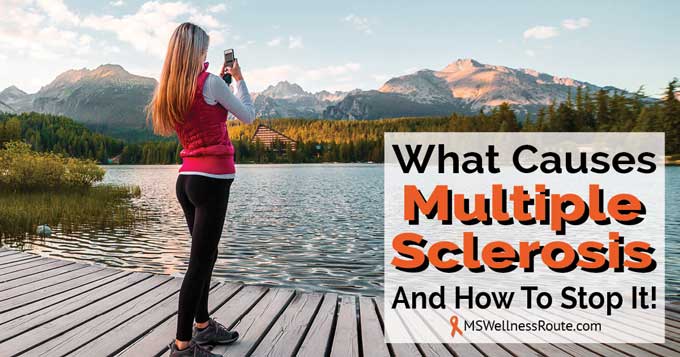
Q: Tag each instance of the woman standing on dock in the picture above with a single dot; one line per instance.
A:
(194, 104)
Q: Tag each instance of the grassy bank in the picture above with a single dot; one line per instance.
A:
(99, 207)
(45, 188)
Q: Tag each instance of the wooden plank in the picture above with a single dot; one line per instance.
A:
(53, 307)
(666, 349)
(346, 338)
(673, 333)
(598, 348)
(15, 259)
(464, 349)
(398, 349)
(29, 262)
(31, 270)
(286, 334)
(672, 323)
(673, 316)
(17, 256)
(434, 350)
(520, 349)
(23, 264)
(100, 325)
(117, 339)
(575, 349)
(47, 303)
(36, 335)
(33, 315)
(623, 329)
(41, 280)
(69, 282)
(5, 251)
(492, 349)
(157, 340)
(631, 349)
(8, 253)
(670, 344)
(372, 337)
(316, 342)
(256, 323)
(12, 256)
(427, 349)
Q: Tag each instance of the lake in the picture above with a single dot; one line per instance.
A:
(312, 227)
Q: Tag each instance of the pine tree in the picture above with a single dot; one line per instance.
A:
(603, 121)
(671, 117)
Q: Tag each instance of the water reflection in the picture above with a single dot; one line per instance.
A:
(313, 227)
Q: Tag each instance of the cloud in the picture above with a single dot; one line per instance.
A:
(274, 42)
(295, 42)
(245, 44)
(541, 32)
(332, 71)
(575, 24)
(361, 24)
(58, 12)
(48, 29)
(30, 30)
(262, 77)
(530, 53)
(149, 29)
(381, 78)
(117, 3)
(218, 8)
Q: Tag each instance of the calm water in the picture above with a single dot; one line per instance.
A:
(314, 227)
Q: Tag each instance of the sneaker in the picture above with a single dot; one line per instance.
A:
(193, 350)
(214, 334)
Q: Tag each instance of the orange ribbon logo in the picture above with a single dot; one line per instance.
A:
(454, 326)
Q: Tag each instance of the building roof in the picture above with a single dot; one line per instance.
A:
(267, 135)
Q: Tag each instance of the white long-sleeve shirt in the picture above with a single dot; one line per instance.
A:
(238, 103)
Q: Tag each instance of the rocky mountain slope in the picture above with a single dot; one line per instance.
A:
(16, 99)
(111, 100)
(463, 86)
(4, 108)
(108, 99)
(289, 100)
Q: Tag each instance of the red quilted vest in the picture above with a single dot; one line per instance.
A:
(204, 136)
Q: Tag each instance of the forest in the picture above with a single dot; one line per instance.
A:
(320, 140)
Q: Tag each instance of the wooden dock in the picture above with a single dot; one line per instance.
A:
(51, 307)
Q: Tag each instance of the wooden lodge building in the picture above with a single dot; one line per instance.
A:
(268, 137)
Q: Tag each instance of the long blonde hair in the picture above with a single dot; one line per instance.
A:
(175, 93)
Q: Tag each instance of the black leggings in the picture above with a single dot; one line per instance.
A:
(204, 202)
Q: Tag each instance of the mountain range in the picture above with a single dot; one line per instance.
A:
(111, 100)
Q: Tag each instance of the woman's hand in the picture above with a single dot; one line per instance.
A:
(234, 70)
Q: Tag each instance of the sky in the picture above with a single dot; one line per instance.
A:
(342, 45)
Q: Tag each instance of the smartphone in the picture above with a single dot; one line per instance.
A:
(229, 61)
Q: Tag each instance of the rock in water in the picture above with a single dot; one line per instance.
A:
(44, 230)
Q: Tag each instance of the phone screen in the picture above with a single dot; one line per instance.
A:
(229, 56)
(229, 61)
